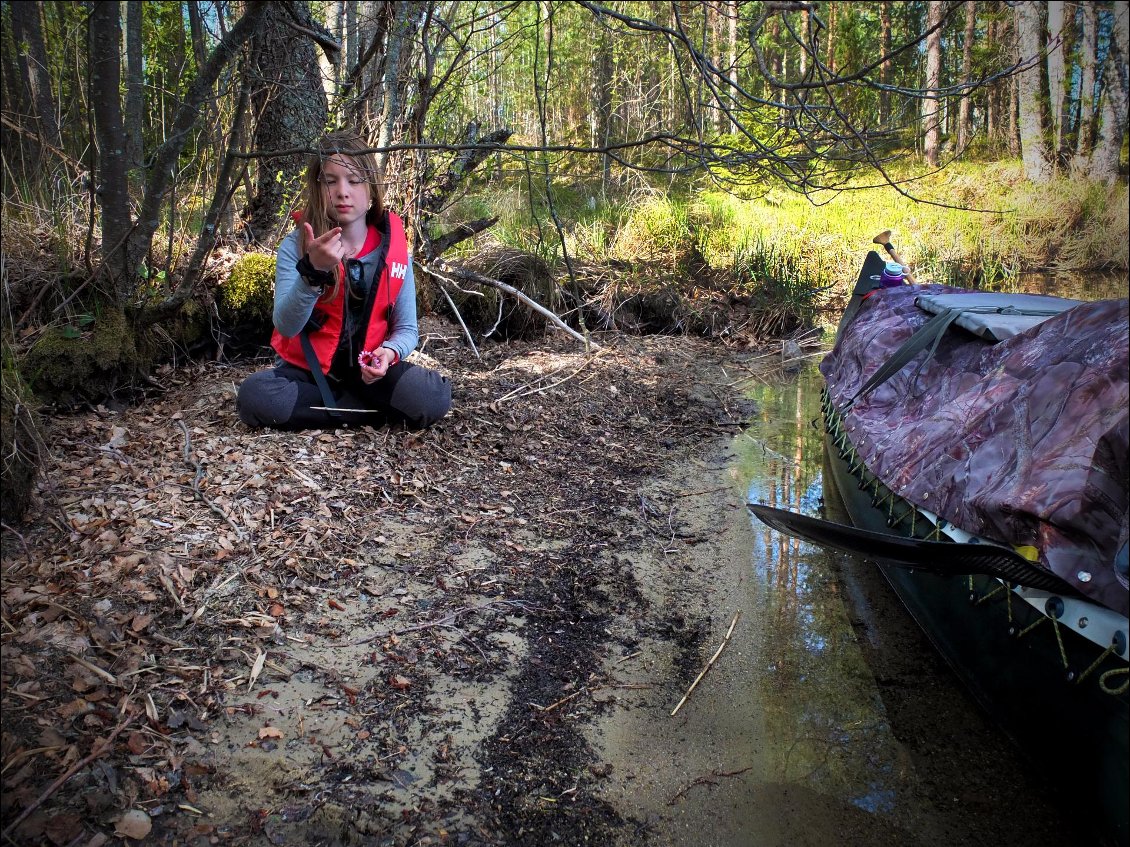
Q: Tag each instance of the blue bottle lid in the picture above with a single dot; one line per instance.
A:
(893, 269)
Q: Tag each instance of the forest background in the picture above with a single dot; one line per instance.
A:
(641, 166)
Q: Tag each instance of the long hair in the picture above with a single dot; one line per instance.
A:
(348, 145)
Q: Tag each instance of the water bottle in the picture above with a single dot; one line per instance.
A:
(892, 275)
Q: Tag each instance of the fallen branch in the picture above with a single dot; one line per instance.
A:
(462, 232)
(713, 659)
(98, 752)
(480, 279)
(93, 668)
(458, 316)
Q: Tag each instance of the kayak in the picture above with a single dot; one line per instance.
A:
(978, 442)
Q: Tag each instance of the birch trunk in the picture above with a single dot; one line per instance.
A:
(806, 34)
(965, 108)
(1031, 125)
(885, 68)
(1112, 129)
(1055, 70)
(1088, 49)
(27, 28)
(931, 105)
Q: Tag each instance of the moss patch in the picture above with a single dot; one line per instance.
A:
(69, 365)
(247, 296)
(21, 441)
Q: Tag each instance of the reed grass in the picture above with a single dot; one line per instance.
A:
(976, 224)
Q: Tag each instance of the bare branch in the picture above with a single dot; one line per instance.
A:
(442, 269)
(438, 246)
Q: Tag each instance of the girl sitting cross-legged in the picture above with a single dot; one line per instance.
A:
(345, 310)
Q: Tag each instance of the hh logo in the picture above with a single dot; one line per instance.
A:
(398, 270)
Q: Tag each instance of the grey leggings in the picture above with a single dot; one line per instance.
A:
(283, 397)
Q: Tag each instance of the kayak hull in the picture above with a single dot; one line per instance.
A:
(1039, 681)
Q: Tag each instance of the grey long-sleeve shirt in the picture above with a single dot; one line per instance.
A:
(295, 298)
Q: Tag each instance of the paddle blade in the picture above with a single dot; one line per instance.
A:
(941, 557)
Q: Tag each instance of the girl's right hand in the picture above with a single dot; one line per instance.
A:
(325, 252)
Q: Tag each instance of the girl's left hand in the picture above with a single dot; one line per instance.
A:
(382, 359)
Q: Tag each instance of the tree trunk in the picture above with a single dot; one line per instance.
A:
(196, 31)
(1014, 116)
(27, 29)
(341, 65)
(1055, 50)
(806, 35)
(732, 12)
(106, 103)
(1068, 126)
(1088, 50)
(1112, 129)
(965, 109)
(993, 108)
(135, 92)
(602, 100)
(717, 52)
(371, 104)
(831, 37)
(289, 104)
(402, 27)
(352, 47)
(776, 55)
(18, 148)
(932, 105)
(885, 68)
(126, 242)
(1032, 119)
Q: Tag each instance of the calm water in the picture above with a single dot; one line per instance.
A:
(862, 708)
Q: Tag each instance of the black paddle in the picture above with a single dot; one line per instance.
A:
(941, 557)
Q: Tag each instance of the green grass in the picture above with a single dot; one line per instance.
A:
(796, 242)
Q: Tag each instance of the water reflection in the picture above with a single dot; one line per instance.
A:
(1078, 286)
(825, 698)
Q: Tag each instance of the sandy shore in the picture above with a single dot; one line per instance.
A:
(470, 635)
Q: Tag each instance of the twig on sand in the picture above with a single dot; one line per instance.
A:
(446, 621)
(705, 780)
(99, 750)
(522, 391)
(553, 706)
(713, 658)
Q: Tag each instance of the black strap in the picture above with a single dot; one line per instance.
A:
(319, 377)
(930, 333)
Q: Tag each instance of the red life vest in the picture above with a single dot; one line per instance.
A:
(329, 311)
